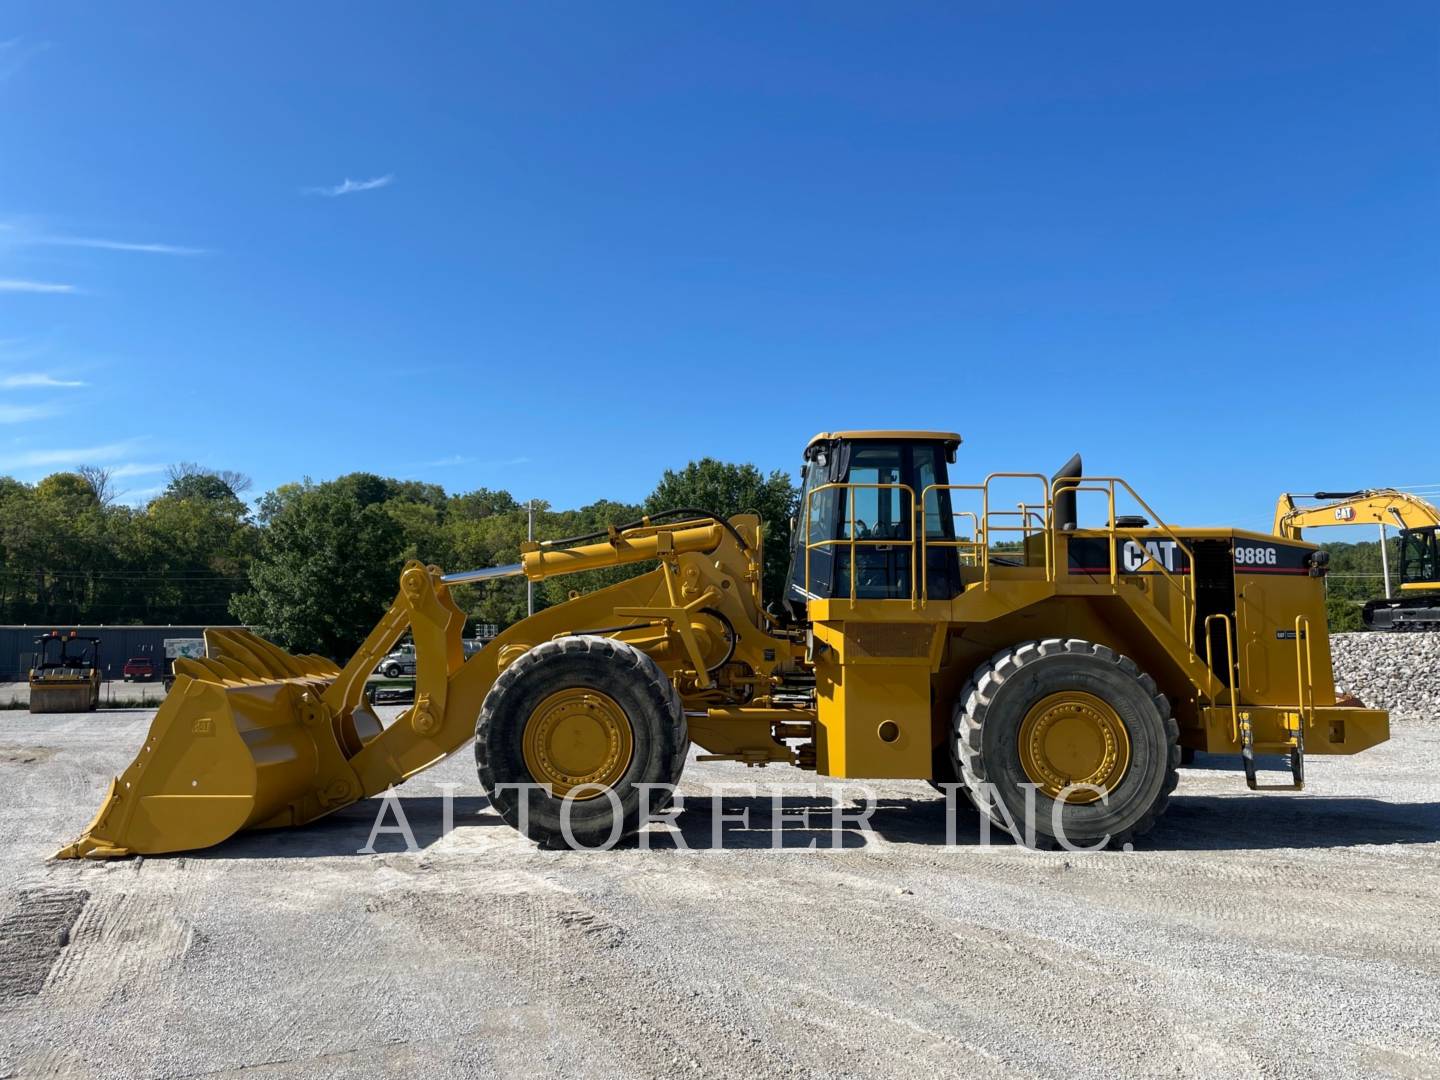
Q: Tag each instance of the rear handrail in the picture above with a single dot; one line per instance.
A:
(974, 547)
(1090, 483)
(1304, 677)
(1067, 482)
(989, 526)
(1229, 669)
(1038, 512)
(852, 541)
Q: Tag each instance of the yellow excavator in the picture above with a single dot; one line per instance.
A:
(1053, 667)
(1418, 606)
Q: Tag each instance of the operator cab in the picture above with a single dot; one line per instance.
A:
(61, 653)
(866, 530)
(1420, 557)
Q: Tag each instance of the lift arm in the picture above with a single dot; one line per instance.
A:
(251, 736)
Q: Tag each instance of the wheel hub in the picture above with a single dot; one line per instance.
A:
(577, 736)
(1074, 738)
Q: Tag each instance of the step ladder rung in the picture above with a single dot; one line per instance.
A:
(1297, 756)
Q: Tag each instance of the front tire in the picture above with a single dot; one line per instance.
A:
(579, 714)
(1057, 712)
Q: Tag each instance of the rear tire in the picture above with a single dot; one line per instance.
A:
(392, 671)
(635, 693)
(945, 775)
(1014, 684)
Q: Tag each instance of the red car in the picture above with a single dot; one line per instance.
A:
(139, 669)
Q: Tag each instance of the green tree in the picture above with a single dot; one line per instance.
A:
(729, 489)
(1355, 576)
(200, 486)
(196, 542)
(189, 480)
(58, 548)
(1344, 616)
(327, 567)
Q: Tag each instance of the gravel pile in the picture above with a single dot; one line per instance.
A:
(1399, 672)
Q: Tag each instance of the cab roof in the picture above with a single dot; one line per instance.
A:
(949, 438)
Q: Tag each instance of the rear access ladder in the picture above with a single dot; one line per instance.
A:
(1295, 722)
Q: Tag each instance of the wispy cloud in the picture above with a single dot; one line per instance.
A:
(117, 245)
(136, 469)
(23, 414)
(67, 456)
(33, 232)
(37, 380)
(350, 187)
(20, 285)
(455, 460)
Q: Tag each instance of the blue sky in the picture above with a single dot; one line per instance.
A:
(557, 248)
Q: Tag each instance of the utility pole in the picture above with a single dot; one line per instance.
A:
(1384, 561)
(530, 585)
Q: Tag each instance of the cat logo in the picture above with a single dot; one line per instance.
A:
(1162, 552)
(1345, 513)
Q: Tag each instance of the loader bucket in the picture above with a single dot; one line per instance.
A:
(242, 740)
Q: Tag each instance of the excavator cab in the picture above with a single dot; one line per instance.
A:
(1420, 558)
(1418, 605)
(863, 492)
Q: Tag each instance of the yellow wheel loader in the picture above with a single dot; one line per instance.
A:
(1418, 606)
(930, 632)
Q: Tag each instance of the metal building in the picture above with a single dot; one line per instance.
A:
(117, 644)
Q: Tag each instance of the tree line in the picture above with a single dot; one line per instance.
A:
(313, 565)
(1356, 576)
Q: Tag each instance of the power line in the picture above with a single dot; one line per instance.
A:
(148, 575)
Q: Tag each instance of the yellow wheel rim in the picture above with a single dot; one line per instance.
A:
(1074, 738)
(577, 736)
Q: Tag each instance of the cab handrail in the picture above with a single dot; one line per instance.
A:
(851, 541)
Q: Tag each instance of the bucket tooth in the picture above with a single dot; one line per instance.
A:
(320, 666)
(205, 669)
(261, 659)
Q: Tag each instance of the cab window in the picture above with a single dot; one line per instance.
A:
(879, 512)
(1418, 556)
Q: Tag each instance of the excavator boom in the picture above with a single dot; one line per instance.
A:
(1381, 506)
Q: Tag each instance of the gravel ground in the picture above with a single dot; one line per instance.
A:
(1399, 672)
(112, 692)
(1249, 935)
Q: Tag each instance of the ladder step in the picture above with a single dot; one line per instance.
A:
(1297, 757)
